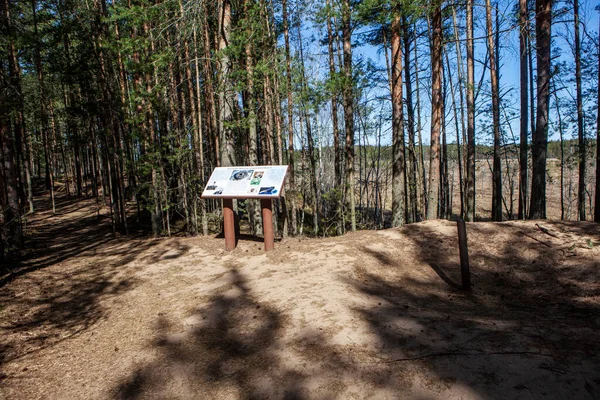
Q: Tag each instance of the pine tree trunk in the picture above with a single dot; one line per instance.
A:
(226, 93)
(335, 124)
(470, 167)
(199, 142)
(413, 212)
(256, 218)
(156, 162)
(15, 103)
(314, 183)
(581, 188)
(398, 209)
(497, 167)
(543, 12)
(562, 157)
(11, 227)
(456, 127)
(461, 91)
(210, 98)
(597, 194)
(348, 99)
(422, 173)
(436, 113)
(523, 168)
(290, 114)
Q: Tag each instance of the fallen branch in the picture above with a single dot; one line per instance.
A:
(547, 231)
(537, 240)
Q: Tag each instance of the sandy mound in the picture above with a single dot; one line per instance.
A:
(371, 314)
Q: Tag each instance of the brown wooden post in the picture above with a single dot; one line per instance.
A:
(228, 224)
(267, 220)
(464, 255)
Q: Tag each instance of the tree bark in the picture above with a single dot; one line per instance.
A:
(581, 189)
(597, 194)
(11, 227)
(334, 121)
(314, 178)
(543, 13)
(290, 112)
(256, 219)
(523, 68)
(348, 97)
(462, 148)
(470, 167)
(422, 173)
(226, 93)
(497, 168)
(397, 126)
(458, 145)
(413, 212)
(436, 113)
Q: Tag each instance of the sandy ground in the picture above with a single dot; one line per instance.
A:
(374, 314)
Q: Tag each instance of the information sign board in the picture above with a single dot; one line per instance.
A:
(256, 182)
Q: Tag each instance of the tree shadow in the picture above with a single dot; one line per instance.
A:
(68, 234)
(239, 347)
(230, 347)
(56, 308)
(48, 295)
(503, 340)
(526, 330)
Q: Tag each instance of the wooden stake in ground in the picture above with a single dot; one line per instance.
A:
(464, 255)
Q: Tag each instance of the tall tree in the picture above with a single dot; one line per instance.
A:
(398, 167)
(256, 219)
(523, 70)
(437, 109)
(461, 148)
(334, 115)
(313, 173)
(348, 98)
(10, 92)
(413, 212)
(497, 168)
(597, 194)
(580, 129)
(227, 96)
(543, 12)
(470, 167)
(290, 115)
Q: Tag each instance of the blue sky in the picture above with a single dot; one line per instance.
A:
(509, 67)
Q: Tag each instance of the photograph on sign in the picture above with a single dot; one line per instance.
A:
(246, 182)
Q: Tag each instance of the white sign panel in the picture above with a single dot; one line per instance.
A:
(246, 182)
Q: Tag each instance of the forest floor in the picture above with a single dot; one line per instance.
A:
(88, 314)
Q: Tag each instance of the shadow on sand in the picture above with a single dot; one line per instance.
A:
(505, 340)
(47, 295)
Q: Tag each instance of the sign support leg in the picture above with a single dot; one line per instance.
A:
(267, 220)
(228, 224)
